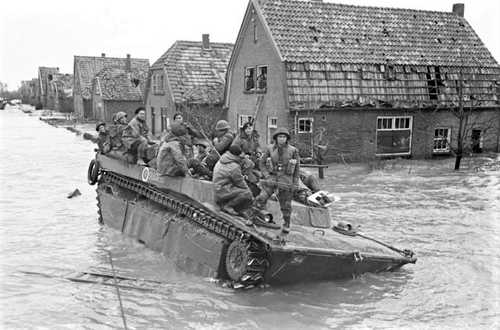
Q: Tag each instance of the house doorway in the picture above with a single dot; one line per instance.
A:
(476, 141)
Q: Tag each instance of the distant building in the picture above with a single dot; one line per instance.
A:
(45, 77)
(368, 82)
(189, 78)
(116, 90)
(88, 73)
(60, 93)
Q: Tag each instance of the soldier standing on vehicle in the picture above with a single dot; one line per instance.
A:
(280, 169)
(221, 143)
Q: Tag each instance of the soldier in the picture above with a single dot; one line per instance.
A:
(221, 143)
(103, 139)
(136, 136)
(231, 191)
(280, 170)
(116, 130)
(248, 141)
(171, 158)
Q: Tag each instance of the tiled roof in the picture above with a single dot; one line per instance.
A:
(120, 84)
(316, 31)
(86, 68)
(64, 83)
(195, 74)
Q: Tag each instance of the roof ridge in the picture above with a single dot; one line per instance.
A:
(328, 3)
(113, 58)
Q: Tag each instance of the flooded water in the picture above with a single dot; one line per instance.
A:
(451, 220)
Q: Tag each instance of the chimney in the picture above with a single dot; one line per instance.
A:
(206, 41)
(128, 64)
(103, 54)
(458, 9)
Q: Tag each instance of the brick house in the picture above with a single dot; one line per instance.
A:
(60, 92)
(116, 90)
(189, 78)
(365, 81)
(45, 77)
(85, 70)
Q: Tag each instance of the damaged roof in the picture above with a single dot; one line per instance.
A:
(87, 67)
(120, 84)
(317, 31)
(196, 74)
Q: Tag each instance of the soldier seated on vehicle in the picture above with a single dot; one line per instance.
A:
(136, 138)
(221, 143)
(308, 184)
(171, 158)
(103, 138)
(231, 191)
(196, 165)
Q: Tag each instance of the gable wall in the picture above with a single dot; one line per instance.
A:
(252, 54)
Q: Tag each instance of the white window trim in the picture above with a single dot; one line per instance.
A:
(448, 140)
(311, 126)
(394, 129)
(270, 125)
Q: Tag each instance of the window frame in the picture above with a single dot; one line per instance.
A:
(270, 122)
(394, 128)
(310, 119)
(241, 122)
(246, 78)
(447, 139)
(257, 75)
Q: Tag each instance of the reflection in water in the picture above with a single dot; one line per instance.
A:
(448, 218)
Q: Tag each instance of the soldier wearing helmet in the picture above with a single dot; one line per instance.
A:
(103, 139)
(280, 169)
(116, 130)
(223, 137)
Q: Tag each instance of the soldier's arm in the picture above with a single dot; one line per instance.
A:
(296, 156)
(263, 165)
(238, 179)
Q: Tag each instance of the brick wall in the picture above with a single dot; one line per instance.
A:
(352, 135)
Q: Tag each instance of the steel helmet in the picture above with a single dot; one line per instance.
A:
(222, 125)
(119, 115)
(178, 129)
(281, 130)
(99, 124)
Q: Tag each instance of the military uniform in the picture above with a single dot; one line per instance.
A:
(231, 190)
(171, 158)
(135, 137)
(280, 168)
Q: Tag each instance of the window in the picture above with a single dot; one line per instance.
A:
(256, 78)
(305, 125)
(273, 122)
(157, 83)
(394, 135)
(441, 140)
(390, 73)
(164, 119)
(262, 77)
(243, 119)
(249, 79)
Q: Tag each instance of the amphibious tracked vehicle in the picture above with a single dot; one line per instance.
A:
(178, 217)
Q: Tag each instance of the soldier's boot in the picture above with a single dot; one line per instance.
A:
(285, 229)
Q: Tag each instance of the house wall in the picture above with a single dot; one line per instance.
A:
(351, 134)
(158, 100)
(252, 53)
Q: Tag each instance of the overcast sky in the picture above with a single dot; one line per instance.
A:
(37, 33)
